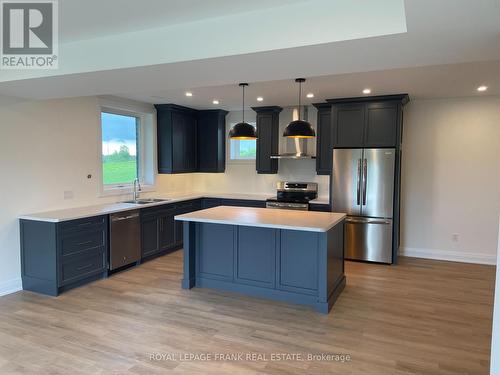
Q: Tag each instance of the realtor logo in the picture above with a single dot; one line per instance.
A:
(29, 34)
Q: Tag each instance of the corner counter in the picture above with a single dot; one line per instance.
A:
(286, 255)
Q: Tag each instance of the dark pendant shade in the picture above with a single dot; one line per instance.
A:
(299, 129)
(242, 130)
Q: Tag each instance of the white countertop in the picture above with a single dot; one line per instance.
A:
(67, 214)
(268, 218)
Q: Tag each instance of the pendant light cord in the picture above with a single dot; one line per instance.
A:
(243, 105)
(300, 94)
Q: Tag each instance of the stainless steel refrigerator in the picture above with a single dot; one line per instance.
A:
(363, 188)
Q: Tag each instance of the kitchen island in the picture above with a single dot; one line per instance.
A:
(285, 255)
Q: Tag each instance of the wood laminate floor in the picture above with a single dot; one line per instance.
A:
(420, 317)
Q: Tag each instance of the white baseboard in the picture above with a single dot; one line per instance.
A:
(453, 256)
(10, 286)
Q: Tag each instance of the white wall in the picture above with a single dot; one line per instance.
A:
(495, 339)
(48, 147)
(451, 178)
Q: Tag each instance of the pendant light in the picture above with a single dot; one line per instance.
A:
(243, 130)
(299, 128)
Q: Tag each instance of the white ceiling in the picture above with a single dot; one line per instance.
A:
(110, 17)
(422, 82)
(450, 47)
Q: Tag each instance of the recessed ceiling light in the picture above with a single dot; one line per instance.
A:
(215, 101)
(310, 95)
(482, 88)
(189, 94)
(367, 91)
(260, 99)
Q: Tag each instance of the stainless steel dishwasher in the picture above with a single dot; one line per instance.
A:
(124, 239)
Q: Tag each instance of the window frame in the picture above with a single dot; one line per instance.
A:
(228, 149)
(148, 183)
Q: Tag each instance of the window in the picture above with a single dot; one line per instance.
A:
(120, 149)
(128, 146)
(242, 149)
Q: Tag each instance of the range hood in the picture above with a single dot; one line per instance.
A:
(296, 149)
(292, 148)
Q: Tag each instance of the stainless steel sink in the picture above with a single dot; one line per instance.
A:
(146, 201)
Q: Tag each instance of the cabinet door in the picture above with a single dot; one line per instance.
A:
(150, 235)
(212, 141)
(324, 142)
(381, 124)
(267, 143)
(190, 141)
(178, 142)
(164, 141)
(255, 256)
(167, 231)
(215, 251)
(349, 122)
(298, 261)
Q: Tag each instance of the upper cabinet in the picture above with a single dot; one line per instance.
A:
(190, 140)
(177, 139)
(375, 121)
(367, 121)
(267, 139)
(324, 138)
(212, 141)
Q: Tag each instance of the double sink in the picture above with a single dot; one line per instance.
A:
(146, 201)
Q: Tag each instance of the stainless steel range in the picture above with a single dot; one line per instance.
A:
(293, 195)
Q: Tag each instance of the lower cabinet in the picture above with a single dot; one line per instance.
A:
(160, 232)
(299, 268)
(59, 256)
(319, 207)
(256, 256)
(286, 260)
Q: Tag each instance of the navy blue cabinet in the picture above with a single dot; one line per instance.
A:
(212, 141)
(298, 267)
(215, 251)
(367, 121)
(215, 202)
(59, 256)
(255, 256)
(324, 139)
(190, 140)
(160, 232)
(176, 138)
(319, 207)
(267, 139)
(183, 208)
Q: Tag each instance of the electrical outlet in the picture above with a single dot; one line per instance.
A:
(455, 237)
(68, 194)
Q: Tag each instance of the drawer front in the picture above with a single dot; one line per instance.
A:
(148, 213)
(81, 267)
(82, 242)
(68, 228)
(243, 203)
(186, 207)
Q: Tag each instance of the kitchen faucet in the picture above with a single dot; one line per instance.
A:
(137, 189)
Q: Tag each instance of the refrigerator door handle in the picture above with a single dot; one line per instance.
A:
(365, 174)
(358, 190)
(367, 221)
